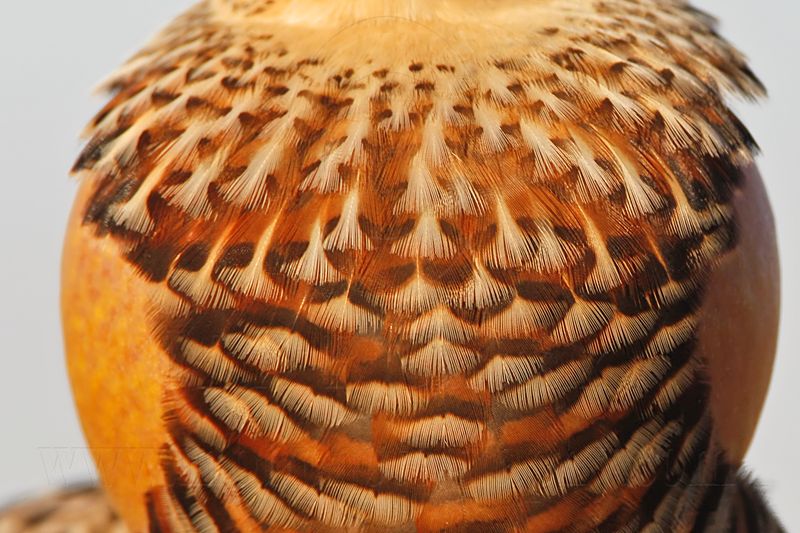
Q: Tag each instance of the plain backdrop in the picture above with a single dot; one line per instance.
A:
(52, 53)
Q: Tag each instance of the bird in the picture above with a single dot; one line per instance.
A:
(452, 266)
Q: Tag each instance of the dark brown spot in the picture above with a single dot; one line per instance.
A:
(328, 291)
(449, 273)
(194, 257)
(237, 255)
(542, 291)
(277, 90)
(206, 327)
(152, 260)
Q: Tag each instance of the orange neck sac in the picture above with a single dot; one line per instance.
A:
(320, 13)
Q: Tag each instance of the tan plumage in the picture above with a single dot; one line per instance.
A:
(425, 266)
(82, 509)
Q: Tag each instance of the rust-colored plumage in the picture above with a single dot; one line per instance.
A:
(452, 266)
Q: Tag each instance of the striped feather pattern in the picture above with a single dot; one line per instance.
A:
(426, 285)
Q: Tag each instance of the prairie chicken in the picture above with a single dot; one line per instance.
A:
(454, 265)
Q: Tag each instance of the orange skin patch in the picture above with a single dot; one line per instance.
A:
(118, 371)
(739, 322)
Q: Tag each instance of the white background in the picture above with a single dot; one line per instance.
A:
(53, 52)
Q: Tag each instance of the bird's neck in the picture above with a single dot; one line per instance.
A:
(318, 13)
